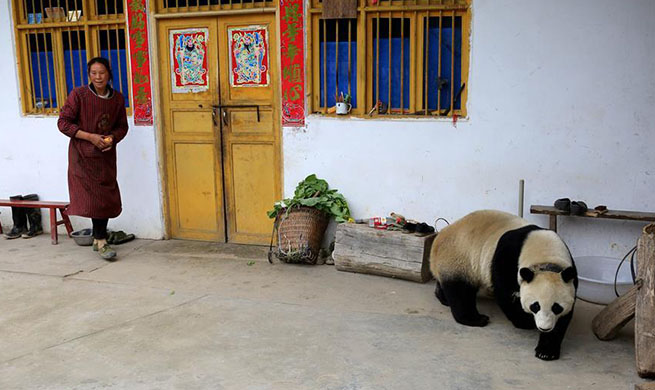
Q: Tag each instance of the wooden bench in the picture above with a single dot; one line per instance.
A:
(52, 206)
(553, 213)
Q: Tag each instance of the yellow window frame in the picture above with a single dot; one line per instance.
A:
(416, 12)
(89, 23)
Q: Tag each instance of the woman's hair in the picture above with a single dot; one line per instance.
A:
(100, 60)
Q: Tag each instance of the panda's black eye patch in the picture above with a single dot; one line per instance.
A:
(557, 308)
(535, 307)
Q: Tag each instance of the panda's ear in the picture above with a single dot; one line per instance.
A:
(568, 274)
(526, 274)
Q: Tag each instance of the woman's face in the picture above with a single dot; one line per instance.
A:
(99, 76)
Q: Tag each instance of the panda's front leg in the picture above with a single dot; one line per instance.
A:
(550, 343)
(510, 304)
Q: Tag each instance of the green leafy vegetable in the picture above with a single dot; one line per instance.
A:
(315, 192)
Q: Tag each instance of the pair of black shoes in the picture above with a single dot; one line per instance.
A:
(574, 208)
(21, 216)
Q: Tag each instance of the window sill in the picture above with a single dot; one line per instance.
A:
(394, 118)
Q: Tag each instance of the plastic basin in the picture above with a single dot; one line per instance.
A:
(596, 278)
(83, 237)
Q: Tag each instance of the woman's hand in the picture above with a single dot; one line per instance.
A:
(100, 141)
(109, 141)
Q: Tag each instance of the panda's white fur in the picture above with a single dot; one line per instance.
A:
(545, 246)
(488, 251)
(466, 247)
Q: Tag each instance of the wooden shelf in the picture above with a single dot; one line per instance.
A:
(591, 213)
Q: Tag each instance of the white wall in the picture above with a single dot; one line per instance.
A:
(561, 94)
(33, 156)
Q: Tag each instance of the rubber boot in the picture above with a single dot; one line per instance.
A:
(34, 219)
(20, 220)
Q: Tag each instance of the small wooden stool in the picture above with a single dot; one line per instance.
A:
(52, 206)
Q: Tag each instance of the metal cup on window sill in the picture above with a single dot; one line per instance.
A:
(343, 108)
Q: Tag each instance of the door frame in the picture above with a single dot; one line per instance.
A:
(153, 22)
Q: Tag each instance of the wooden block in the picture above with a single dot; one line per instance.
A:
(340, 9)
(359, 248)
(645, 304)
(607, 324)
(645, 386)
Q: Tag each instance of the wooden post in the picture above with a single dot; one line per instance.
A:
(645, 305)
(607, 324)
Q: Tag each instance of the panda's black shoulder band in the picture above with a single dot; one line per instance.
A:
(550, 267)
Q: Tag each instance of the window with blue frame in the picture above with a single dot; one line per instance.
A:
(338, 62)
(56, 39)
(392, 59)
(390, 70)
(442, 79)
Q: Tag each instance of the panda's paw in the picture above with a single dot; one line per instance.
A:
(546, 354)
(480, 321)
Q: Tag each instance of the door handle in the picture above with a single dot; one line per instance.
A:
(224, 117)
(214, 116)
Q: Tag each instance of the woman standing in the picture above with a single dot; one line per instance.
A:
(94, 118)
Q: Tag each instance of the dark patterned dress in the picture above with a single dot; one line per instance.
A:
(92, 184)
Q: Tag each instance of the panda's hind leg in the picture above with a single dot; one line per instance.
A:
(461, 295)
(438, 292)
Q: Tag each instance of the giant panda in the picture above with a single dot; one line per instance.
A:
(529, 271)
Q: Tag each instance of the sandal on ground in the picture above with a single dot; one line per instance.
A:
(119, 237)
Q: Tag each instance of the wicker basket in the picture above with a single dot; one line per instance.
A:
(300, 234)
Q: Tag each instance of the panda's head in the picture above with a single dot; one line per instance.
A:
(547, 295)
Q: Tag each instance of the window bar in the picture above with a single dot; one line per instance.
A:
(118, 52)
(377, 62)
(65, 7)
(325, 84)
(106, 10)
(389, 66)
(349, 56)
(49, 6)
(79, 56)
(47, 67)
(31, 73)
(402, 59)
(43, 19)
(425, 62)
(108, 47)
(439, 64)
(336, 60)
(177, 5)
(70, 59)
(452, 63)
(38, 65)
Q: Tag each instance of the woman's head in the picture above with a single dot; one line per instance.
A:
(99, 72)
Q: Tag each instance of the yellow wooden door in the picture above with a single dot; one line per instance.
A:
(251, 145)
(194, 183)
(222, 163)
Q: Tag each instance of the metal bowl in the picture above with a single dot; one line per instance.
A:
(83, 237)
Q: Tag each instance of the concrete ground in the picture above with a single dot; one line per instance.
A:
(189, 315)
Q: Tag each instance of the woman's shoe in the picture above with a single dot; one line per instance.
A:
(107, 253)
